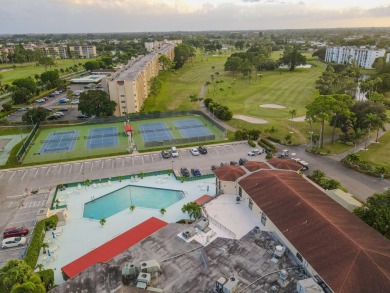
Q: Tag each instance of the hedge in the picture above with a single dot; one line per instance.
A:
(274, 139)
(47, 277)
(268, 144)
(32, 254)
(251, 143)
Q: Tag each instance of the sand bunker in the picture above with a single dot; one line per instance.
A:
(298, 119)
(250, 119)
(272, 106)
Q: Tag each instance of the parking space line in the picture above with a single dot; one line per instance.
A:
(123, 162)
(24, 174)
(47, 172)
(81, 169)
(12, 176)
(2, 173)
(70, 169)
(36, 172)
(132, 161)
(112, 165)
(59, 170)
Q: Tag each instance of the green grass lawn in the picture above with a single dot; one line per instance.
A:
(378, 153)
(30, 69)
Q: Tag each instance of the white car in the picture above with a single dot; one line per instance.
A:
(13, 242)
(194, 152)
(255, 152)
(74, 102)
(174, 152)
(59, 114)
(40, 101)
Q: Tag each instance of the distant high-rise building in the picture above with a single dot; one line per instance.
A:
(363, 57)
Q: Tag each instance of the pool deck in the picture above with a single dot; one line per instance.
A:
(80, 235)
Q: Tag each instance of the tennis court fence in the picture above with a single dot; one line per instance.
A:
(176, 141)
(23, 150)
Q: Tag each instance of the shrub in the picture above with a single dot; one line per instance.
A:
(353, 161)
(319, 177)
(274, 139)
(47, 277)
(251, 143)
(269, 156)
(270, 145)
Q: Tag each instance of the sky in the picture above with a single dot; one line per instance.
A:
(83, 16)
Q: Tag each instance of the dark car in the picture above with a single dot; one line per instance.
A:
(196, 172)
(63, 109)
(223, 164)
(234, 163)
(242, 161)
(202, 150)
(82, 116)
(184, 171)
(15, 232)
(51, 95)
(166, 154)
(213, 167)
(52, 117)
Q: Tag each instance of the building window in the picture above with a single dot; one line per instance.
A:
(122, 96)
(263, 218)
(123, 102)
(240, 191)
(124, 112)
(250, 203)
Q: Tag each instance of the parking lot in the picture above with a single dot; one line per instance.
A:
(53, 104)
(17, 209)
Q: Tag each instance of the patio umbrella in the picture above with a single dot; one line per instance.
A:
(54, 235)
(48, 253)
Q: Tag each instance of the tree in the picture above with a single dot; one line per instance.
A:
(293, 113)
(132, 208)
(341, 107)
(326, 83)
(155, 87)
(7, 107)
(50, 76)
(91, 65)
(27, 83)
(35, 115)
(320, 110)
(107, 61)
(232, 64)
(39, 267)
(102, 222)
(96, 102)
(46, 61)
(376, 212)
(20, 58)
(182, 53)
(292, 57)
(1, 80)
(373, 121)
(163, 211)
(21, 95)
(44, 246)
(193, 209)
(165, 62)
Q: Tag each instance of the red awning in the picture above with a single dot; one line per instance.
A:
(113, 247)
(203, 199)
(128, 128)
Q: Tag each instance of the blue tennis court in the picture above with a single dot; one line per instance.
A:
(58, 142)
(191, 128)
(102, 137)
(155, 132)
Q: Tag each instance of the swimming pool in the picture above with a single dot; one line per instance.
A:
(139, 196)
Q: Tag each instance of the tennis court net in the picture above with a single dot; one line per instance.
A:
(154, 130)
(46, 150)
(102, 135)
(189, 126)
(60, 139)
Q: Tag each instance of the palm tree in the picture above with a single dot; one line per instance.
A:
(132, 208)
(44, 246)
(163, 211)
(1, 78)
(39, 267)
(371, 120)
(102, 222)
(293, 112)
(57, 202)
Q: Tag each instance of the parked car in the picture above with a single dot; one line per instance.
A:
(196, 172)
(82, 116)
(194, 152)
(202, 150)
(166, 154)
(63, 109)
(223, 164)
(53, 117)
(213, 167)
(60, 114)
(40, 101)
(51, 95)
(184, 171)
(22, 109)
(255, 152)
(15, 231)
(63, 101)
(242, 161)
(74, 102)
(234, 163)
(174, 152)
(13, 242)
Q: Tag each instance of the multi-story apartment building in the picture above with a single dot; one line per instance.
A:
(363, 57)
(129, 87)
(85, 51)
(155, 45)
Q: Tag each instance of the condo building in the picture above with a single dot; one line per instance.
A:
(129, 86)
(363, 57)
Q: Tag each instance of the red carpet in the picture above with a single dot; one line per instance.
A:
(113, 247)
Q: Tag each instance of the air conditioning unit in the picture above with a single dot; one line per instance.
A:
(278, 253)
(129, 269)
(308, 286)
(223, 285)
(202, 224)
(143, 280)
(150, 266)
(187, 234)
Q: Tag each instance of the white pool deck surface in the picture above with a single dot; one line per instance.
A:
(81, 235)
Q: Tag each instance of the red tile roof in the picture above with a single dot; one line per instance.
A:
(349, 255)
(229, 172)
(254, 166)
(285, 164)
(203, 199)
(113, 247)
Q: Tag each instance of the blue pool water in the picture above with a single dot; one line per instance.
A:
(122, 199)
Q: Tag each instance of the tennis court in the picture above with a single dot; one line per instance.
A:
(102, 137)
(191, 128)
(155, 132)
(58, 142)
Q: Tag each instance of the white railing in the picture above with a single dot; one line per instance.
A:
(219, 225)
